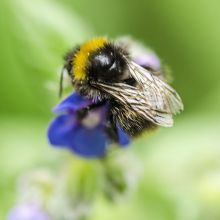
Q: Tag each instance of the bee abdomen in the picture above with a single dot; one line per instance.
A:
(131, 122)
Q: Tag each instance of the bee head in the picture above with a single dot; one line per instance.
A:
(107, 64)
(98, 60)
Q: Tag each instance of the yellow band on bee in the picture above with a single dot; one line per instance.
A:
(81, 57)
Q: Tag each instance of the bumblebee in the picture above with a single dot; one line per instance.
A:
(139, 97)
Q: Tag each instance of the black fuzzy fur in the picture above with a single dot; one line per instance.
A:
(99, 69)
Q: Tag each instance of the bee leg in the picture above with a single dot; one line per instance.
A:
(82, 113)
(111, 129)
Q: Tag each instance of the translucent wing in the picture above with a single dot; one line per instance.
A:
(151, 97)
(156, 92)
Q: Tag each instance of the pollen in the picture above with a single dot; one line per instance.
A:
(81, 57)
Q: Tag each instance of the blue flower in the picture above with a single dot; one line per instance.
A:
(83, 127)
(27, 212)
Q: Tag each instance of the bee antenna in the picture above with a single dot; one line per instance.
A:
(61, 82)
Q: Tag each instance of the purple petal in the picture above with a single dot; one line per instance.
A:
(102, 111)
(61, 130)
(66, 131)
(95, 117)
(72, 103)
(90, 142)
(123, 138)
(148, 60)
(27, 212)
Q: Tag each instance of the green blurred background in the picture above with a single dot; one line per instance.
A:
(181, 165)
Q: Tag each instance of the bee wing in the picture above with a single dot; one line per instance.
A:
(151, 97)
(157, 93)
